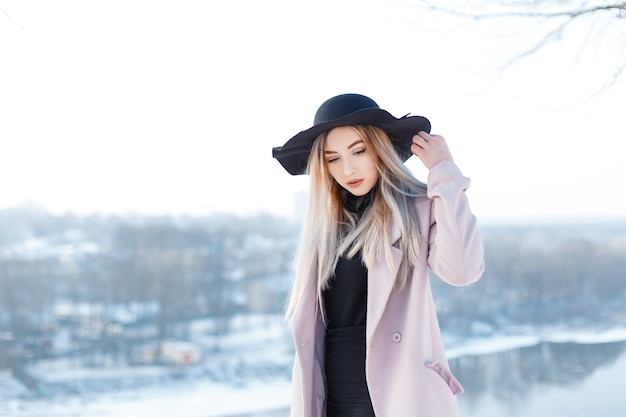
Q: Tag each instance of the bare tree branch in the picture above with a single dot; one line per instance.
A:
(551, 36)
(619, 7)
(559, 16)
(11, 20)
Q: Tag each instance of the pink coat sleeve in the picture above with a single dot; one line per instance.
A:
(455, 249)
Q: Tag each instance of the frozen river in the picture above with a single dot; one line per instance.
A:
(569, 375)
(544, 380)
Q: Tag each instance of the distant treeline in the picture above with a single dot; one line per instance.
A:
(543, 274)
(118, 281)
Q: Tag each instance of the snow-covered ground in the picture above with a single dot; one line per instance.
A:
(190, 399)
(527, 336)
(249, 374)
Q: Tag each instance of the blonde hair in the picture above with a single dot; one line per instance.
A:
(331, 231)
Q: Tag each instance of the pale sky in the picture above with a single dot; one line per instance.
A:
(172, 107)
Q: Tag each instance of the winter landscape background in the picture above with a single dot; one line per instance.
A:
(181, 316)
(170, 109)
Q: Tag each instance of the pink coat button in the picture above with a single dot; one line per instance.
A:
(396, 337)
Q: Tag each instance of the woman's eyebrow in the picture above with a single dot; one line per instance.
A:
(353, 144)
(356, 142)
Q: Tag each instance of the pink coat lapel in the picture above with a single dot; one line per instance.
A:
(380, 282)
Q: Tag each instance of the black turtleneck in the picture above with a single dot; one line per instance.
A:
(346, 299)
(358, 204)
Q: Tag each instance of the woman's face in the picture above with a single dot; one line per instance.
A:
(349, 161)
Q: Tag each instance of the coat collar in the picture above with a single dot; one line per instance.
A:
(381, 280)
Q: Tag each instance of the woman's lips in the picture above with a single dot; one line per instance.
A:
(354, 183)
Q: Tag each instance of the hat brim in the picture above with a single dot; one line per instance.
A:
(294, 154)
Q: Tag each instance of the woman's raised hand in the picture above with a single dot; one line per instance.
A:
(431, 149)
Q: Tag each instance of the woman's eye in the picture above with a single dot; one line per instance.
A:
(331, 160)
(360, 151)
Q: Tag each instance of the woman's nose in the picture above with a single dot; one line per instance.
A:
(348, 168)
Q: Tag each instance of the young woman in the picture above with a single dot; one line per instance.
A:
(366, 334)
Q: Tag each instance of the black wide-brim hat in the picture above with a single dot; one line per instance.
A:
(349, 110)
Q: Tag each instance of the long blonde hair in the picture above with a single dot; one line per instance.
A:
(331, 231)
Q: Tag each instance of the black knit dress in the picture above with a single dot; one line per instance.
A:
(346, 309)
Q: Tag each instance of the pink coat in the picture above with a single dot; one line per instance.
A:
(406, 365)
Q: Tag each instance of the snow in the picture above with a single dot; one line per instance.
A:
(249, 373)
(204, 400)
(200, 400)
(499, 342)
(10, 387)
(492, 344)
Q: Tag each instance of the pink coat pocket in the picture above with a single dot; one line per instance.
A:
(446, 375)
